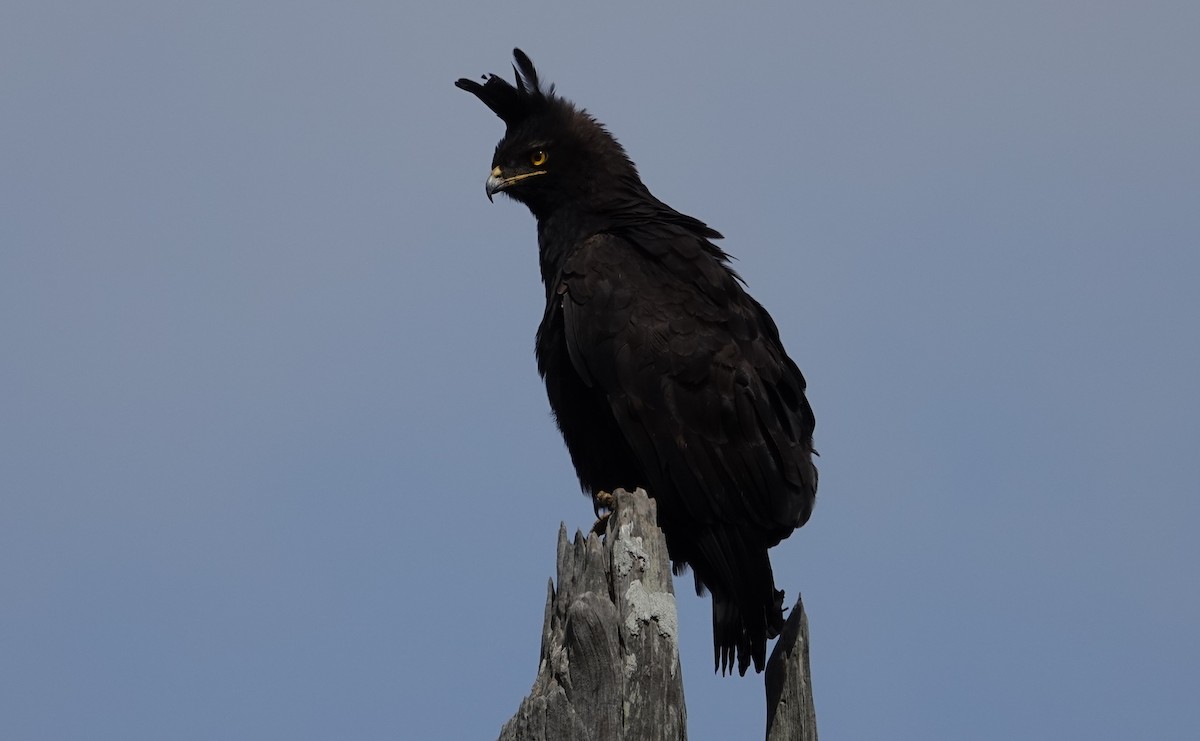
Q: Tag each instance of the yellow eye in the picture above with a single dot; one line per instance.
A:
(538, 157)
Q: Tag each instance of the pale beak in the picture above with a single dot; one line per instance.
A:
(495, 183)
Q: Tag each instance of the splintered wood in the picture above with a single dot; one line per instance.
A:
(609, 666)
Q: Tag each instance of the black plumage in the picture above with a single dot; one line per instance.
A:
(661, 370)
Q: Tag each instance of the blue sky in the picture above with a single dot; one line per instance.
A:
(275, 462)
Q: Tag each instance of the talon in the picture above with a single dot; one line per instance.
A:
(601, 524)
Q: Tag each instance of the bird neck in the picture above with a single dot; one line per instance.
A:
(560, 233)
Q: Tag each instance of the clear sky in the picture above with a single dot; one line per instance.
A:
(275, 462)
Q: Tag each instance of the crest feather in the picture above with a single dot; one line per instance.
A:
(511, 103)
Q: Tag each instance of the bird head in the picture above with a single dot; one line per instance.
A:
(552, 153)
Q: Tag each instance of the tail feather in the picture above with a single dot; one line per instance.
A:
(741, 632)
(747, 609)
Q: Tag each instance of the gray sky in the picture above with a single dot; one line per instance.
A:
(275, 462)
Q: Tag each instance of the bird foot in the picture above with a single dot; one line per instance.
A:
(605, 501)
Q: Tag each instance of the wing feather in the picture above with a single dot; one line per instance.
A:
(700, 387)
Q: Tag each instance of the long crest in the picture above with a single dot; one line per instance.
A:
(512, 104)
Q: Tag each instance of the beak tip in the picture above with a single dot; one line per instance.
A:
(494, 184)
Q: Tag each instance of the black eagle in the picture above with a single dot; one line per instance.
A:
(661, 370)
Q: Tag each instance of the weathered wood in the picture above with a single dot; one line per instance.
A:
(609, 668)
(790, 712)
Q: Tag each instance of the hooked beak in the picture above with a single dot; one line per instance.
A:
(494, 184)
(496, 181)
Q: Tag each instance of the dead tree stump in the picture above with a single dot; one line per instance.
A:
(790, 712)
(609, 666)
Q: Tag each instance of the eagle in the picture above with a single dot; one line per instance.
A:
(662, 372)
